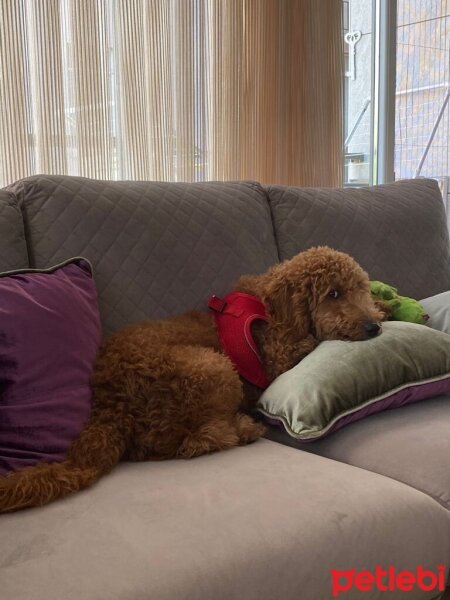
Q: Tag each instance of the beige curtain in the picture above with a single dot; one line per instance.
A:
(175, 90)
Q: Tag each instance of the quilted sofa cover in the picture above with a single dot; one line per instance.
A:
(161, 248)
(397, 232)
(157, 249)
(13, 246)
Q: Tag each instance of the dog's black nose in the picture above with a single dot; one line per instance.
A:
(372, 329)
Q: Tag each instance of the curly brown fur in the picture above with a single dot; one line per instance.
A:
(164, 389)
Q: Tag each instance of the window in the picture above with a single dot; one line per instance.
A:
(358, 104)
(412, 82)
(422, 124)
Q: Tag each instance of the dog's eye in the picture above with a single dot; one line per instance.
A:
(333, 294)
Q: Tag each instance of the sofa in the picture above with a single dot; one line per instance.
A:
(265, 521)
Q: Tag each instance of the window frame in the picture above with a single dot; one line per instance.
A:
(383, 86)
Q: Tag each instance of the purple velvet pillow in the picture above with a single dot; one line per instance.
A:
(49, 336)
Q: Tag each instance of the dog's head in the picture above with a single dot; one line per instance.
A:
(322, 293)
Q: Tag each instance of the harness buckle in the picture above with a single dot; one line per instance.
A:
(217, 304)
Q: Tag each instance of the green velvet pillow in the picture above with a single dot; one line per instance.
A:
(341, 382)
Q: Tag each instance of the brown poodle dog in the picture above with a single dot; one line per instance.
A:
(165, 389)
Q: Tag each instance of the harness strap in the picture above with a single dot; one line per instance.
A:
(234, 316)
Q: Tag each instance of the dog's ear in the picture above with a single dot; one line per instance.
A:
(289, 335)
(288, 304)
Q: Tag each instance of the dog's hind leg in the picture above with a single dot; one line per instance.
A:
(248, 430)
(192, 408)
(220, 434)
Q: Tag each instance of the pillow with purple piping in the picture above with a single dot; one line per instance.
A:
(341, 382)
(49, 336)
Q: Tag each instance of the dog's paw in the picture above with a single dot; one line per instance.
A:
(248, 429)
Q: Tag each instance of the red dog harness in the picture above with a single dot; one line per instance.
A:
(234, 316)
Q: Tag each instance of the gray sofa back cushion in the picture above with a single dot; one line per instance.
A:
(397, 232)
(157, 248)
(13, 247)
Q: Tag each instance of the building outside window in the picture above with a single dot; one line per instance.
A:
(422, 91)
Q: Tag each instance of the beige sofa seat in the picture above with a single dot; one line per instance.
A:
(409, 444)
(259, 522)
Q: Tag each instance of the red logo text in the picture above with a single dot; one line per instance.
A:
(387, 580)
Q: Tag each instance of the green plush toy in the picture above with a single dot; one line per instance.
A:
(402, 308)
